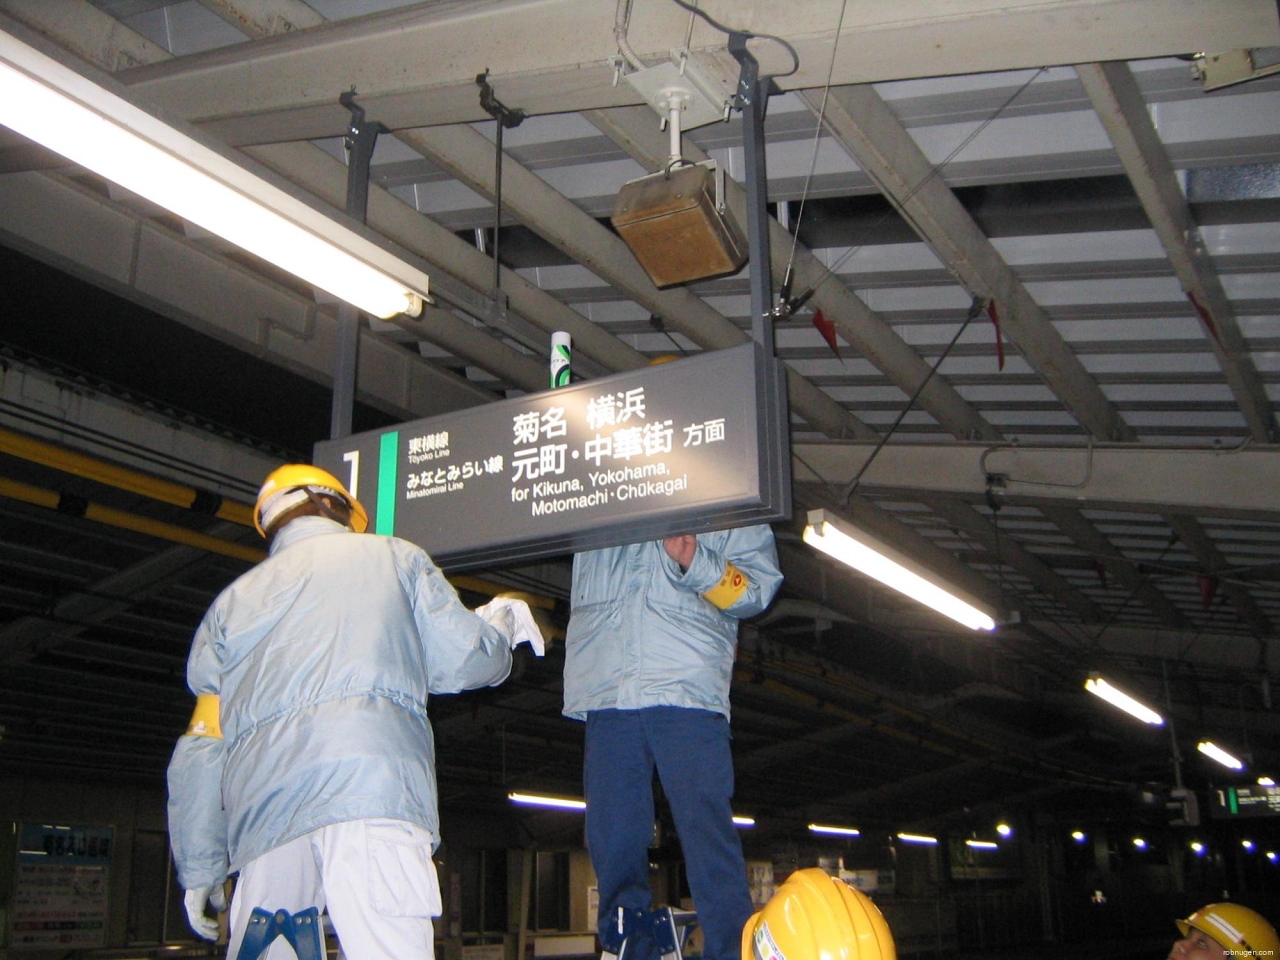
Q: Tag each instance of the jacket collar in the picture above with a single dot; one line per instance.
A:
(301, 528)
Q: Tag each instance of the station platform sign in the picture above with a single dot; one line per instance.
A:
(689, 446)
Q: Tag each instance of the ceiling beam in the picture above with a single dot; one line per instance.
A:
(636, 130)
(76, 229)
(1212, 563)
(1207, 481)
(468, 155)
(1119, 567)
(1003, 549)
(284, 86)
(868, 129)
(265, 18)
(1119, 104)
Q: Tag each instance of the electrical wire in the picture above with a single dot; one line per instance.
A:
(937, 169)
(817, 137)
(795, 57)
(975, 310)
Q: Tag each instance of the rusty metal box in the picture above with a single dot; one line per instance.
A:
(675, 228)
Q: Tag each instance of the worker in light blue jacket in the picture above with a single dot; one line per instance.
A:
(649, 654)
(309, 762)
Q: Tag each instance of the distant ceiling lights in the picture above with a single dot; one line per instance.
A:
(1262, 781)
(850, 545)
(917, 838)
(1118, 698)
(541, 800)
(834, 831)
(743, 821)
(982, 844)
(1003, 829)
(83, 121)
(1215, 752)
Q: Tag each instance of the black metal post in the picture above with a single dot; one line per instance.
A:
(362, 135)
(752, 99)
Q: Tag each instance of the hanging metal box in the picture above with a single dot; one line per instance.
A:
(676, 225)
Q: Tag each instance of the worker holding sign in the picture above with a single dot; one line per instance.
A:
(649, 654)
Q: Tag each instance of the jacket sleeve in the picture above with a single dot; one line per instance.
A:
(197, 820)
(462, 652)
(735, 570)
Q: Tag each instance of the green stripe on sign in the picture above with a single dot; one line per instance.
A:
(388, 461)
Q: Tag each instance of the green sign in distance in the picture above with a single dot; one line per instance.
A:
(1253, 801)
(693, 445)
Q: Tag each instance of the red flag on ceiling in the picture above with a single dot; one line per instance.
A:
(828, 331)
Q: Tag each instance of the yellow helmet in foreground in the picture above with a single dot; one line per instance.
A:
(814, 916)
(1235, 928)
(300, 476)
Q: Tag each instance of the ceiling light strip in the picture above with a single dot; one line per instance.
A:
(858, 549)
(83, 121)
(1118, 698)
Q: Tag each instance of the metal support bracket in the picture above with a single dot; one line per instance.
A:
(362, 136)
(752, 98)
(505, 117)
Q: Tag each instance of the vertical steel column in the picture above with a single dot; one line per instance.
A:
(752, 99)
(361, 138)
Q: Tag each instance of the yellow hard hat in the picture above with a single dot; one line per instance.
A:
(814, 916)
(1235, 928)
(296, 476)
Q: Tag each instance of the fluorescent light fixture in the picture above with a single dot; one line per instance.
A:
(1266, 782)
(982, 844)
(540, 800)
(1271, 855)
(857, 548)
(1197, 848)
(1215, 752)
(834, 831)
(1003, 829)
(1247, 844)
(101, 131)
(1118, 698)
(916, 838)
(743, 821)
(1079, 836)
(1140, 843)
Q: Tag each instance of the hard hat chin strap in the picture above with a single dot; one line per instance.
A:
(327, 511)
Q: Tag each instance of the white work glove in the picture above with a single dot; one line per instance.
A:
(194, 900)
(513, 619)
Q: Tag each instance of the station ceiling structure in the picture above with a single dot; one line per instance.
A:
(1092, 450)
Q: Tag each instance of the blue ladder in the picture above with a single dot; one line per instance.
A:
(302, 931)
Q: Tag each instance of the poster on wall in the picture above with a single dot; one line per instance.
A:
(60, 888)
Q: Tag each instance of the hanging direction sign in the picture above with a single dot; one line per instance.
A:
(1252, 801)
(684, 447)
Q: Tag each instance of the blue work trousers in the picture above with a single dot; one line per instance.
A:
(690, 749)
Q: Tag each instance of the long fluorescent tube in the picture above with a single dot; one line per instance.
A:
(741, 821)
(1118, 698)
(541, 800)
(1214, 752)
(916, 838)
(834, 831)
(850, 545)
(982, 844)
(85, 122)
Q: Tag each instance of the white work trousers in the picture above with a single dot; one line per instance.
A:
(375, 877)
